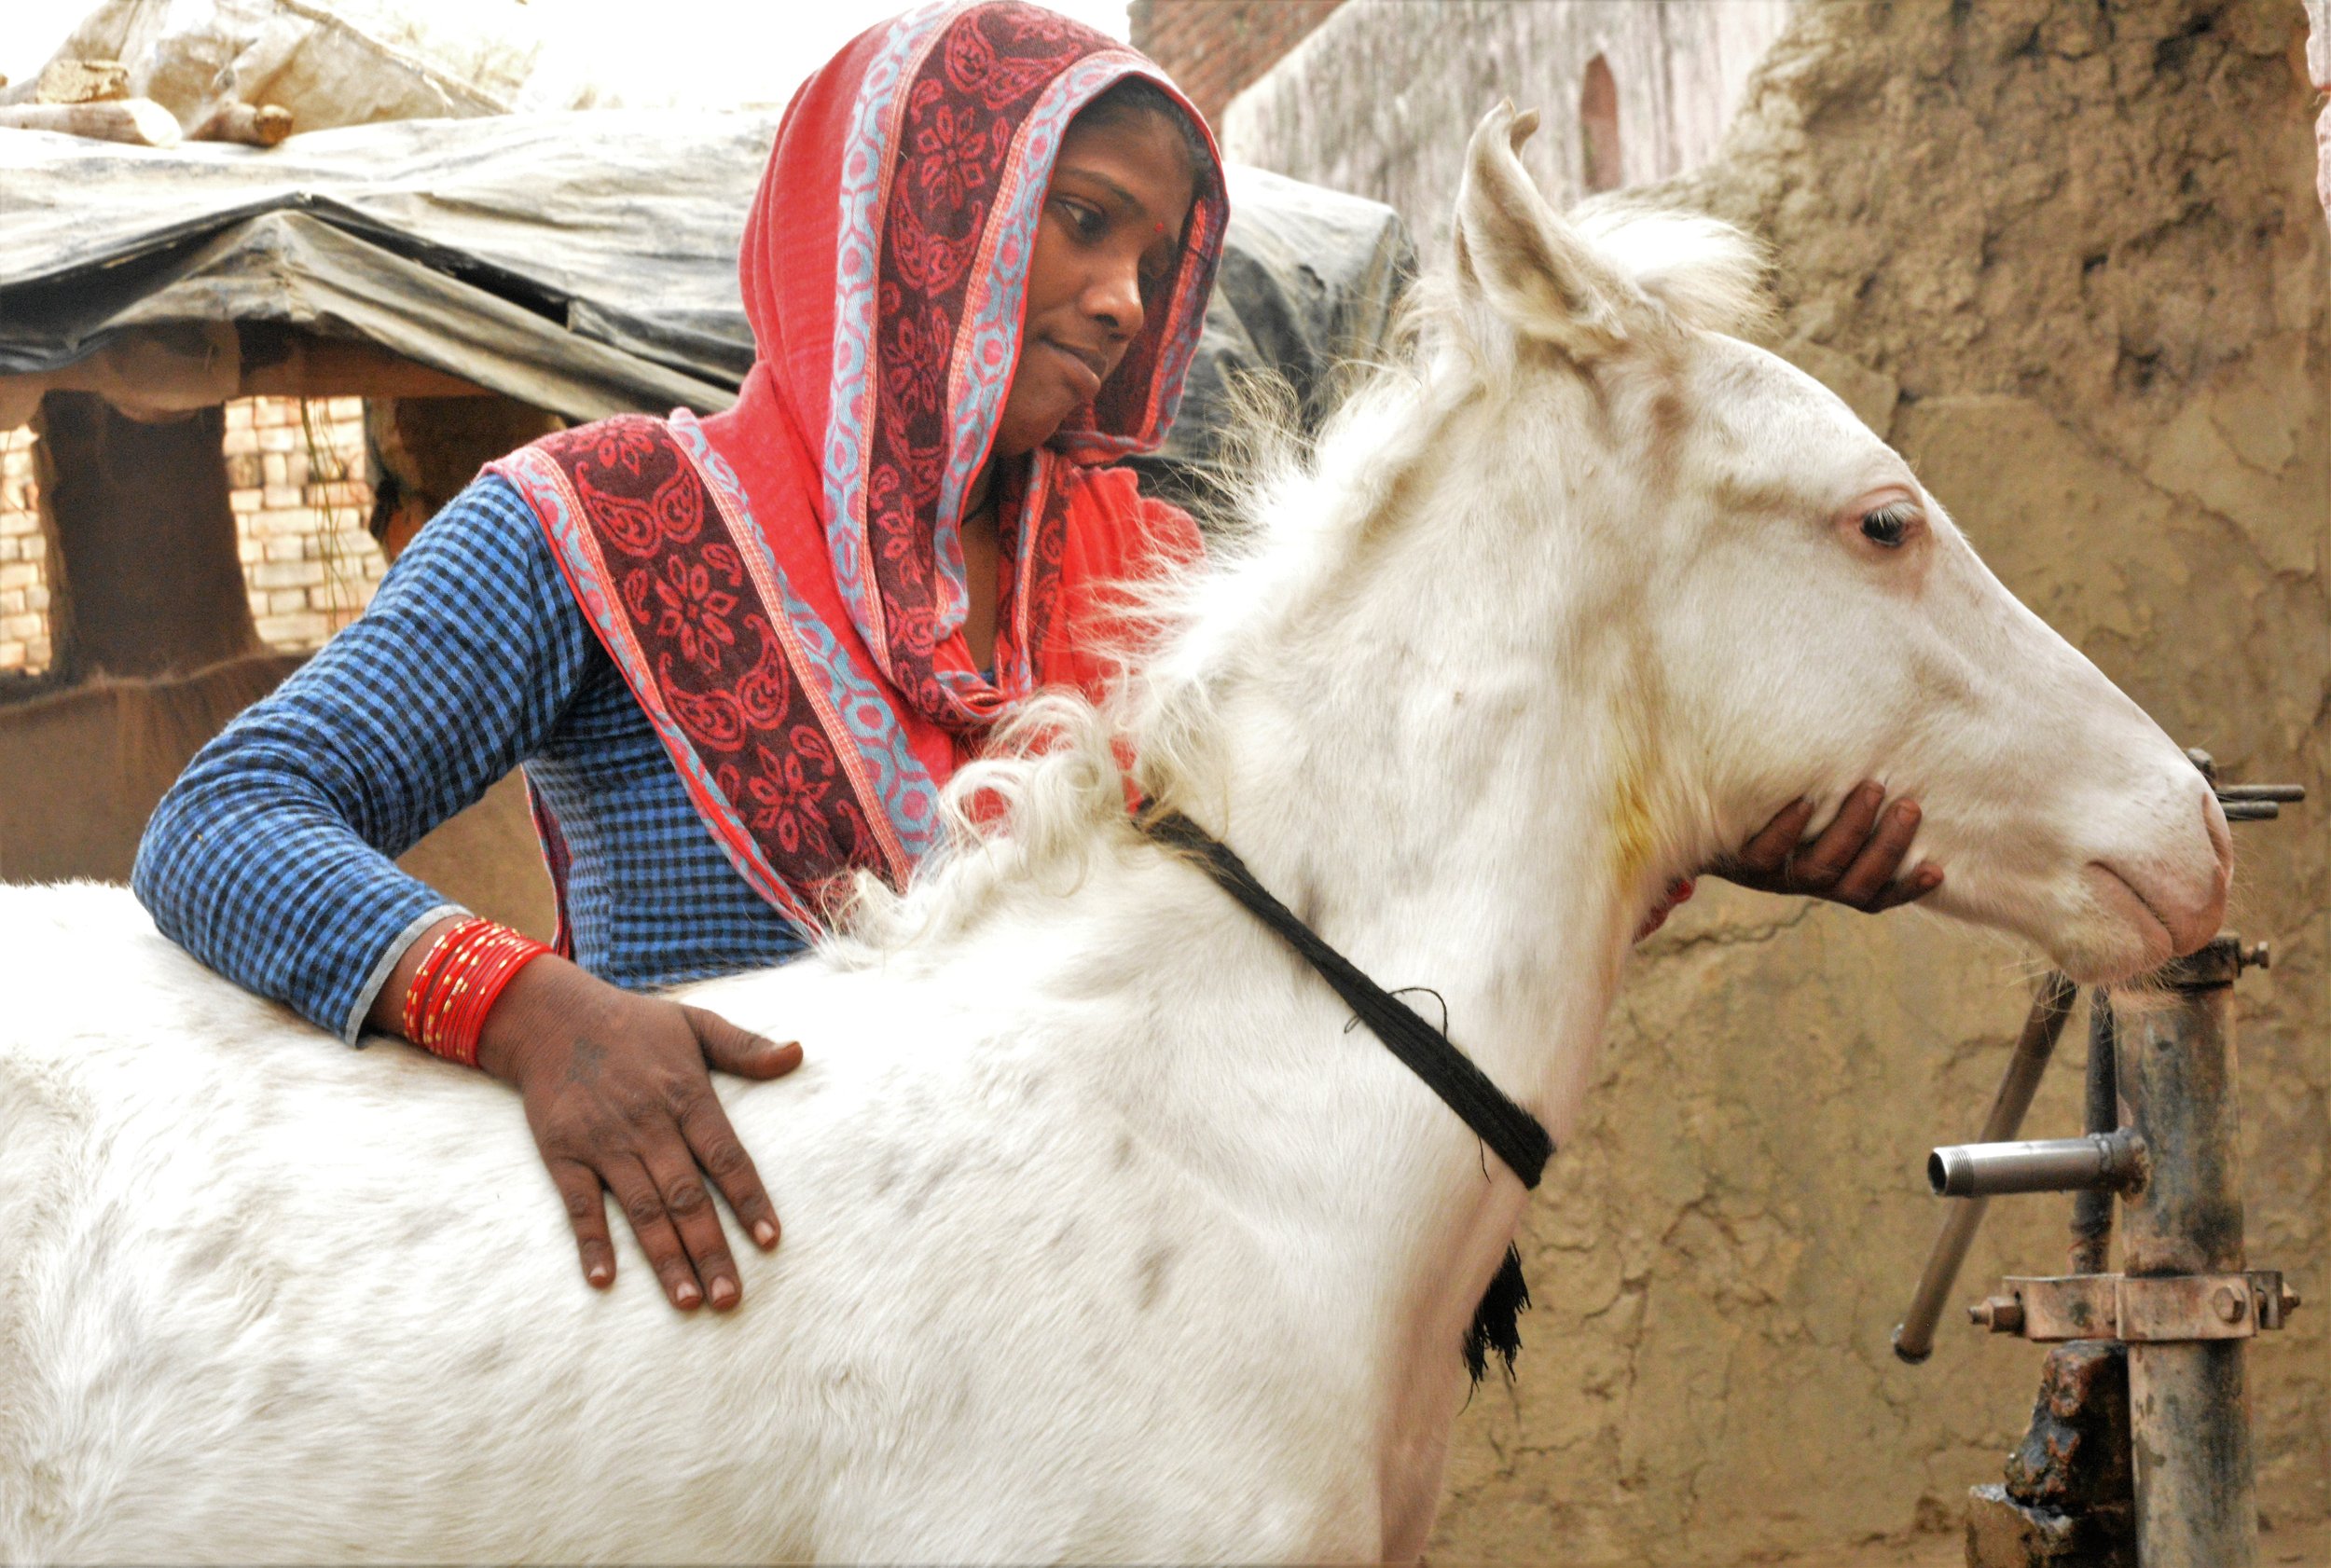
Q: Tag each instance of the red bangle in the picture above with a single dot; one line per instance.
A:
(499, 955)
(416, 996)
(460, 979)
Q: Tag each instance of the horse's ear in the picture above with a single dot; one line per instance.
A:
(1517, 255)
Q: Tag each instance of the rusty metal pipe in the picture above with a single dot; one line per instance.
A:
(1914, 1336)
(2092, 1210)
(2191, 1436)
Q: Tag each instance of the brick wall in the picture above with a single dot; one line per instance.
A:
(297, 486)
(300, 500)
(23, 569)
(1214, 48)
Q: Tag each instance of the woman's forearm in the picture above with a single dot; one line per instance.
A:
(248, 866)
(270, 860)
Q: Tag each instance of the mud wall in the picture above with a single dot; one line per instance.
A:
(2068, 257)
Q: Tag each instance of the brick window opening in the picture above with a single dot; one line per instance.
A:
(298, 485)
(1598, 126)
(24, 645)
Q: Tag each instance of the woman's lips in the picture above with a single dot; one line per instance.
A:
(1087, 367)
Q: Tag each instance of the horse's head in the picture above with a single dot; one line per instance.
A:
(1784, 606)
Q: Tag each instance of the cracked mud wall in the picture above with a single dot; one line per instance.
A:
(2068, 257)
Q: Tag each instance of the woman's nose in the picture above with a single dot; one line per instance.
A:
(1114, 297)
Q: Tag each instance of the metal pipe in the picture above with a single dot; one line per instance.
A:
(2092, 1209)
(1914, 1336)
(2189, 1433)
(2107, 1161)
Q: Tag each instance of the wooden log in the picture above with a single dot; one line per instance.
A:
(255, 125)
(139, 121)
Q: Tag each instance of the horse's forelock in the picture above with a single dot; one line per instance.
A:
(1707, 274)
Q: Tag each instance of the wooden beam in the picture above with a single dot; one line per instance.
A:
(347, 367)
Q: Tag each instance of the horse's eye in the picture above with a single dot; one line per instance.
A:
(1888, 525)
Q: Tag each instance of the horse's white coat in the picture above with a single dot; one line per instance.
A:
(1105, 1240)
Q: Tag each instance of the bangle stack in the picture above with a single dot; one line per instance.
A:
(459, 980)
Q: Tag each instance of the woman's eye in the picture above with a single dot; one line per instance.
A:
(1887, 526)
(1088, 222)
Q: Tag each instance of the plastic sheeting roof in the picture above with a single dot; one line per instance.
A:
(582, 262)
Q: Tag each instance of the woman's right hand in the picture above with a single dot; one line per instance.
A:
(618, 1095)
(620, 1099)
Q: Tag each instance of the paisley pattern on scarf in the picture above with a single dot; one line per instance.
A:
(660, 571)
(901, 801)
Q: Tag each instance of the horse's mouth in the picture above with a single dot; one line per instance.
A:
(2122, 897)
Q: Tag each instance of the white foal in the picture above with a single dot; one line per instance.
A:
(1105, 1240)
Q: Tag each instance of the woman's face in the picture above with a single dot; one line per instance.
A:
(1105, 249)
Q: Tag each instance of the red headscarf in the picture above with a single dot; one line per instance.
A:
(783, 583)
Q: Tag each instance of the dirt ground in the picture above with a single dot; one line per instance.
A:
(2299, 1545)
(2307, 1545)
(2296, 1545)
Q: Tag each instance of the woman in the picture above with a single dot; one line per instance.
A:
(739, 656)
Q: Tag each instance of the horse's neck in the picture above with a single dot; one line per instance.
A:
(1455, 818)
(1444, 827)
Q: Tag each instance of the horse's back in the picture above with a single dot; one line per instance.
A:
(256, 1284)
(45, 1119)
(106, 1014)
(270, 1297)
(81, 967)
(206, 1201)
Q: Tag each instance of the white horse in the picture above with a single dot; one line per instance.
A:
(1106, 1239)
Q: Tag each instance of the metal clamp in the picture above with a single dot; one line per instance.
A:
(2139, 1309)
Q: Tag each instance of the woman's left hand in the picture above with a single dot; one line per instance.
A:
(1854, 861)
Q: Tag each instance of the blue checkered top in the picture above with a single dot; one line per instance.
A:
(269, 859)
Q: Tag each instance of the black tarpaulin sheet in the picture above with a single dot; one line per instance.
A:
(581, 262)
